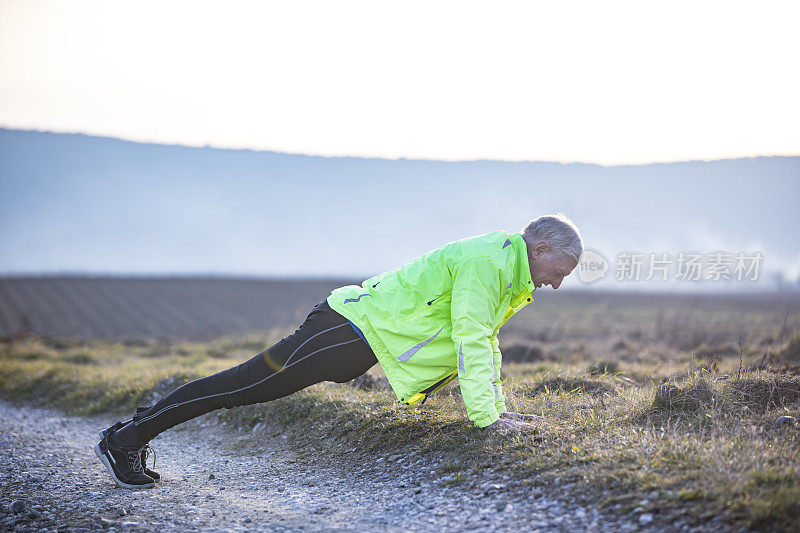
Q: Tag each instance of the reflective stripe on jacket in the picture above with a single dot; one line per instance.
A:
(440, 313)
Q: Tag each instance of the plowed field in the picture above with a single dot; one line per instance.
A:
(189, 308)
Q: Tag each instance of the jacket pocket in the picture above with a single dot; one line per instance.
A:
(428, 307)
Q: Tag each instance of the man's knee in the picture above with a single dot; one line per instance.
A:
(245, 384)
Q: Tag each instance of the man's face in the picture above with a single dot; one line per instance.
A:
(549, 268)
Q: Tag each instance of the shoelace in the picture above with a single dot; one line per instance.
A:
(146, 450)
(135, 458)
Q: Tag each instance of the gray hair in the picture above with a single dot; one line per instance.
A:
(558, 231)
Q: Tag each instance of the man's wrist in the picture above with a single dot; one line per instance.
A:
(488, 420)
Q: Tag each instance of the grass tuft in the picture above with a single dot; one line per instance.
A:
(694, 396)
(603, 367)
(370, 381)
(568, 384)
(762, 391)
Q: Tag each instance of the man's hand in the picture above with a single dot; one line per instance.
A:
(521, 417)
(504, 425)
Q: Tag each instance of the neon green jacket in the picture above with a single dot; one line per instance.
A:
(438, 316)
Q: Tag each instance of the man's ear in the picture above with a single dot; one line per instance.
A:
(541, 247)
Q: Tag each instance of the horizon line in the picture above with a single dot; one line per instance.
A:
(412, 159)
(294, 278)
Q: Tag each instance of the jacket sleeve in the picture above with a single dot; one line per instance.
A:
(499, 400)
(476, 291)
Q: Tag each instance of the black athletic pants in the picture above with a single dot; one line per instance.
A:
(324, 348)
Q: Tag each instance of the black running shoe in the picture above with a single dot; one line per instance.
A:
(145, 451)
(125, 466)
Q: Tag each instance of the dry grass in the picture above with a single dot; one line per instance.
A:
(762, 391)
(692, 397)
(90, 377)
(627, 416)
(791, 352)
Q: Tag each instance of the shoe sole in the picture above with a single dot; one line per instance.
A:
(104, 460)
(103, 434)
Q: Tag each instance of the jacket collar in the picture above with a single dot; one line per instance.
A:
(522, 284)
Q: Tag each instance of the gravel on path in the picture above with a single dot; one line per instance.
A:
(220, 479)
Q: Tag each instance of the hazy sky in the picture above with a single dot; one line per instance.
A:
(607, 82)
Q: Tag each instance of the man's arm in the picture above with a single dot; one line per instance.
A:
(500, 403)
(476, 289)
(497, 385)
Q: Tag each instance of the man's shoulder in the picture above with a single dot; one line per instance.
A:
(487, 238)
(487, 246)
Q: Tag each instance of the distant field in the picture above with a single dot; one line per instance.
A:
(208, 308)
(181, 309)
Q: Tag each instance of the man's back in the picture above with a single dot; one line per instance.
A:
(418, 317)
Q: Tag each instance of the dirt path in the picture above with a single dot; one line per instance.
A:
(221, 479)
